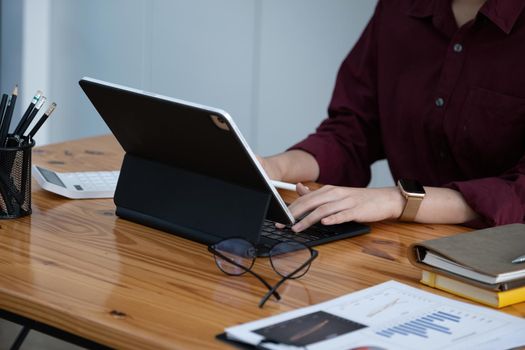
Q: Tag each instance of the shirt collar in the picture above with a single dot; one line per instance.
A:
(421, 8)
(503, 13)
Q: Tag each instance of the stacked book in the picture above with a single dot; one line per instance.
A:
(477, 265)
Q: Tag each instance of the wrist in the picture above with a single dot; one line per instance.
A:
(273, 166)
(397, 202)
(293, 166)
(298, 166)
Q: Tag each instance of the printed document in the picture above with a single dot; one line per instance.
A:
(390, 315)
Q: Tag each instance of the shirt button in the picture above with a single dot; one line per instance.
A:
(439, 102)
(458, 48)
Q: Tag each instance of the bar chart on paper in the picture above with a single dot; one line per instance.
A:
(439, 325)
(399, 315)
(421, 326)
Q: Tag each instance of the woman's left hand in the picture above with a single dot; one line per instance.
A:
(334, 205)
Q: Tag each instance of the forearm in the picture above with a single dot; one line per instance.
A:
(440, 206)
(292, 166)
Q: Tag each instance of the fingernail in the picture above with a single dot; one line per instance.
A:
(297, 227)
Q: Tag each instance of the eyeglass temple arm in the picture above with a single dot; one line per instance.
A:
(274, 288)
(233, 262)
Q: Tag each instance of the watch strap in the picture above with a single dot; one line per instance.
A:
(411, 208)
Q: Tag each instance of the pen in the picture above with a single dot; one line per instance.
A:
(519, 259)
(42, 120)
(27, 112)
(6, 120)
(31, 116)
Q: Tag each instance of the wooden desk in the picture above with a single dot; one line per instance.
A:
(74, 265)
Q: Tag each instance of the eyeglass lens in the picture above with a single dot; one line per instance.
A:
(240, 251)
(287, 257)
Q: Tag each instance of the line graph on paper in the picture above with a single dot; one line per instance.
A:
(385, 304)
(383, 308)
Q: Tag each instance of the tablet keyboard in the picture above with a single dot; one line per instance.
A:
(314, 235)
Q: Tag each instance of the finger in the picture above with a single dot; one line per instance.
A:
(338, 218)
(318, 214)
(302, 189)
(313, 200)
(280, 226)
(302, 225)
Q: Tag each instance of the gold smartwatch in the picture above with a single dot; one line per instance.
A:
(414, 193)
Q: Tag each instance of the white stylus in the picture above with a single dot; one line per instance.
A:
(284, 185)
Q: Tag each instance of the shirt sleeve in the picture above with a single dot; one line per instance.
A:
(498, 200)
(347, 142)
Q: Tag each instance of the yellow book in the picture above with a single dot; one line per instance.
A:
(488, 297)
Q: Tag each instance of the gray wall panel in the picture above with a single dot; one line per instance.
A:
(270, 63)
(202, 51)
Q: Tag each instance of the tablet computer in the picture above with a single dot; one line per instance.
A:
(192, 136)
(188, 169)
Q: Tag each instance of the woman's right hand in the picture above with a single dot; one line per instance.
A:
(291, 166)
(271, 168)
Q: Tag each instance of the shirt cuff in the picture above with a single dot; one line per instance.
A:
(329, 158)
(495, 200)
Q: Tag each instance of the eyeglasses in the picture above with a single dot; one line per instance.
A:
(290, 259)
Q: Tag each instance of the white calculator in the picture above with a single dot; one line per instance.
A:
(77, 185)
(92, 184)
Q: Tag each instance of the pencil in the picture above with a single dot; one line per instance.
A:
(6, 120)
(31, 116)
(2, 106)
(34, 101)
(42, 120)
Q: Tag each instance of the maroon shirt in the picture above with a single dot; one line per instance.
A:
(445, 105)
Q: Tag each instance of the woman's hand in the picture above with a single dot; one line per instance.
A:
(291, 166)
(334, 205)
(271, 167)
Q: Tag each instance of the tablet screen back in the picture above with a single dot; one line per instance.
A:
(193, 137)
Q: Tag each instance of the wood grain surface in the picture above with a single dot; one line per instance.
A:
(74, 265)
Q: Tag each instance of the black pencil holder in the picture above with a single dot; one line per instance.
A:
(15, 179)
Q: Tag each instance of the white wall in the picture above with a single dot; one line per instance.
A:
(25, 52)
(270, 63)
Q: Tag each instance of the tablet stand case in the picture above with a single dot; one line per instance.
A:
(192, 205)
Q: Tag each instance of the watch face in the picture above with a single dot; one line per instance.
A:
(412, 186)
